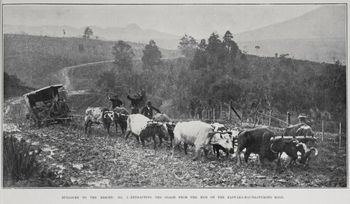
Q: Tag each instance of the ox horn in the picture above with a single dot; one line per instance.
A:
(314, 149)
(272, 149)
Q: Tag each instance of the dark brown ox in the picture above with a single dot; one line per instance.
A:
(120, 118)
(288, 146)
(255, 141)
(154, 129)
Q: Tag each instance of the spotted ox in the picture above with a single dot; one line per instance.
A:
(292, 147)
(98, 115)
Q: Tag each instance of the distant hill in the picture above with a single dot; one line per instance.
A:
(36, 60)
(318, 50)
(131, 32)
(319, 35)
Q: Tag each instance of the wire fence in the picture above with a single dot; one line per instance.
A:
(326, 130)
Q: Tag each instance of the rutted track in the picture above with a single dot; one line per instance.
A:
(66, 78)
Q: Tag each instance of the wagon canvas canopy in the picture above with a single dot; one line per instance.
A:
(43, 94)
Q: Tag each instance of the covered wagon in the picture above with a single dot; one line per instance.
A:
(47, 105)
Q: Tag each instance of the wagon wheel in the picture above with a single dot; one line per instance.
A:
(35, 121)
(46, 120)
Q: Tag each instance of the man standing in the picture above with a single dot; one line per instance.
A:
(135, 101)
(148, 110)
(116, 102)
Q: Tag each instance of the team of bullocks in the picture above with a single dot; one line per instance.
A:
(261, 141)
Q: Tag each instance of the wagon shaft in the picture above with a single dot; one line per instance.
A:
(305, 138)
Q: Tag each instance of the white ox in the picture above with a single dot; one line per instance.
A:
(199, 134)
(98, 115)
(137, 123)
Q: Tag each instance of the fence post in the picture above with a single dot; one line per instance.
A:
(213, 114)
(288, 118)
(322, 130)
(220, 115)
(229, 112)
(339, 135)
(270, 117)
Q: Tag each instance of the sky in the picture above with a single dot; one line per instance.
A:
(198, 20)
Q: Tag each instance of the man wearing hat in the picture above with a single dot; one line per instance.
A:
(304, 119)
(136, 100)
(116, 102)
(148, 110)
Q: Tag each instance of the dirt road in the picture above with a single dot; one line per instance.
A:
(66, 79)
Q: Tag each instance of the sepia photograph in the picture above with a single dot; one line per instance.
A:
(174, 96)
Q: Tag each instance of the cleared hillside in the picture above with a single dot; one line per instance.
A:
(37, 60)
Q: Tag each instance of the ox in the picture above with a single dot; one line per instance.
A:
(231, 133)
(120, 118)
(141, 127)
(288, 146)
(306, 153)
(98, 115)
(291, 147)
(199, 134)
(164, 118)
(255, 141)
(154, 129)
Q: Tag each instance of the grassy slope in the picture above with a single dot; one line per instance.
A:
(36, 60)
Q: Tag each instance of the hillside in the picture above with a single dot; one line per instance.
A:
(319, 35)
(37, 60)
(318, 50)
(131, 32)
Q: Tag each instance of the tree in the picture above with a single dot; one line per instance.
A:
(88, 32)
(214, 43)
(123, 55)
(216, 52)
(151, 55)
(199, 60)
(230, 45)
(188, 46)
(257, 48)
(202, 45)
